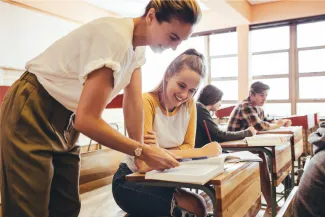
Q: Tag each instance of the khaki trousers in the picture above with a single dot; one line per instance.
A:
(39, 159)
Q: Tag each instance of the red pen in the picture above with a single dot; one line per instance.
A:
(207, 130)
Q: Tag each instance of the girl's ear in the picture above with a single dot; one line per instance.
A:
(151, 16)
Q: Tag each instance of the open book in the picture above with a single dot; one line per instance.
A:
(201, 171)
(268, 139)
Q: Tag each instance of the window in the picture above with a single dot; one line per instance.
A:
(311, 67)
(311, 34)
(278, 88)
(307, 108)
(229, 89)
(223, 44)
(312, 87)
(224, 67)
(311, 60)
(156, 64)
(270, 39)
(270, 65)
(224, 64)
(277, 109)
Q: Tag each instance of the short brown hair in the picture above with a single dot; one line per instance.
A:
(259, 87)
(185, 11)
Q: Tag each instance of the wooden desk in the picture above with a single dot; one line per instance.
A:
(296, 144)
(280, 158)
(235, 193)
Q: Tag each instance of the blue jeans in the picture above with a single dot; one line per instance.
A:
(143, 200)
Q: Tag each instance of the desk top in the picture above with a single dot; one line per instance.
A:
(296, 131)
(243, 144)
(231, 169)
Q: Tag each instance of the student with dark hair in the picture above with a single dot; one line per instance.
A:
(310, 197)
(209, 101)
(248, 113)
(65, 90)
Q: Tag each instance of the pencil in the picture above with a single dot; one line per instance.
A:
(207, 130)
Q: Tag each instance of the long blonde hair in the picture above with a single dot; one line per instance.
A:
(186, 11)
(191, 59)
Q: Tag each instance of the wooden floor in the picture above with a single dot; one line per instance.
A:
(100, 203)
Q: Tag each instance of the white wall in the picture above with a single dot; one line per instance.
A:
(26, 33)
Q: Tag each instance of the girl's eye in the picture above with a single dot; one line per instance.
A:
(181, 85)
(172, 38)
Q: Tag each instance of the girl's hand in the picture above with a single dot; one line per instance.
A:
(211, 149)
(151, 138)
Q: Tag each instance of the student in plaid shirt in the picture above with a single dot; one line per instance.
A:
(248, 113)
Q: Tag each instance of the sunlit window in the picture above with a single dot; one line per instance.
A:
(311, 34)
(270, 39)
(277, 109)
(270, 64)
(223, 44)
(279, 88)
(312, 60)
(229, 89)
(224, 64)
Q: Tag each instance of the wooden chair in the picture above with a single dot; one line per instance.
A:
(287, 208)
(224, 112)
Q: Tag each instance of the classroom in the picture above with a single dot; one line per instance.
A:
(121, 108)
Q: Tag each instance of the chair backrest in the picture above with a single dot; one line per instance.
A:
(3, 91)
(117, 102)
(224, 112)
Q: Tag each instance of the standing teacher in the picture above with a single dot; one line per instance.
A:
(65, 90)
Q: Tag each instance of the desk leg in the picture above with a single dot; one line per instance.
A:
(293, 157)
(271, 157)
(311, 145)
(273, 188)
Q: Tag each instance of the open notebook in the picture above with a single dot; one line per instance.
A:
(201, 171)
(268, 139)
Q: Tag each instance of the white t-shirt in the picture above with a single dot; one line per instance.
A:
(63, 68)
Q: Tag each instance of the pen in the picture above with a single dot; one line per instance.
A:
(207, 130)
(190, 159)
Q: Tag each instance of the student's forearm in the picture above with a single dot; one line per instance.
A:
(188, 153)
(133, 118)
(103, 133)
(273, 126)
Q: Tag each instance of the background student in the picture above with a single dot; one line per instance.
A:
(209, 101)
(170, 122)
(248, 113)
(65, 90)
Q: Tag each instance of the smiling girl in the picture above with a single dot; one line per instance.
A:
(170, 123)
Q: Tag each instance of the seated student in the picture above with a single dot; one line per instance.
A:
(210, 100)
(310, 196)
(170, 122)
(248, 113)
